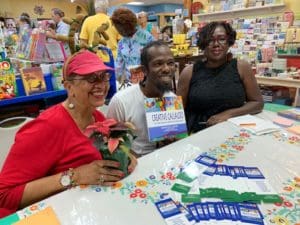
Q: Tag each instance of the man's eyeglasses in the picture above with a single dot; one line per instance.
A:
(222, 40)
(93, 78)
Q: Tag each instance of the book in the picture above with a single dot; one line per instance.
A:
(7, 80)
(254, 124)
(57, 73)
(294, 129)
(281, 121)
(33, 80)
(136, 74)
(37, 46)
(55, 51)
(165, 118)
(293, 113)
(46, 216)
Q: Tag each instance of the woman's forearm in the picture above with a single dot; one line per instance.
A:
(251, 107)
(40, 189)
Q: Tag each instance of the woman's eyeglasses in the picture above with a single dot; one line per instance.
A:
(222, 40)
(93, 78)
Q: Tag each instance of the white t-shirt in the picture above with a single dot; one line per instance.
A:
(128, 105)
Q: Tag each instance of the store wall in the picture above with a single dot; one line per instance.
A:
(14, 8)
(159, 8)
(134, 9)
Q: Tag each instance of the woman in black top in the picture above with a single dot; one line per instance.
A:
(219, 87)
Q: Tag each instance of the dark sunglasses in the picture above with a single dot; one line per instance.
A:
(222, 40)
(94, 77)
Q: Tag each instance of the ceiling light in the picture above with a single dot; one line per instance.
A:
(135, 3)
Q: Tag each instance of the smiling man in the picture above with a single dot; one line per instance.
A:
(128, 105)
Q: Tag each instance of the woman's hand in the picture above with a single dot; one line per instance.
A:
(218, 118)
(133, 163)
(103, 172)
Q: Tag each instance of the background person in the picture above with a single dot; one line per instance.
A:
(167, 33)
(25, 28)
(143, 21)
(219, 87)
(130, 46)
(128, 104)
(91, 24)
(52, 147)
(62, 29)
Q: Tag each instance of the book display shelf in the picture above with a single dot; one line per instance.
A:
(39, 96)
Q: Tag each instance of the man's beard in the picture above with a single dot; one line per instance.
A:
(165, 87)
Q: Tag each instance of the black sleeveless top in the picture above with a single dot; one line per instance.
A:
(211, 91)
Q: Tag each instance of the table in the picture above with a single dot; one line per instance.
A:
(284, 82)
(130, 201)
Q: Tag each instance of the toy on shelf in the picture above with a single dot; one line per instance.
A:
(180, 46)
(75, 25)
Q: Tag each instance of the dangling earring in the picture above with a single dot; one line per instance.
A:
(71, 106)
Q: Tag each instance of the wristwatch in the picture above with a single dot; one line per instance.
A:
(66, 179)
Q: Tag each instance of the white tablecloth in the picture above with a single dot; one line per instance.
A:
(277, 155)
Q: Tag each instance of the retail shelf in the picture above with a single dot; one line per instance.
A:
(236, 13)
(39, 96)
(288, 55)
(284, 82)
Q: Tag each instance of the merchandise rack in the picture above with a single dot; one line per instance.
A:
(243, 12)
(34, 97)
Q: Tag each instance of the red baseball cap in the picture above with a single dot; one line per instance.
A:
(84, 63)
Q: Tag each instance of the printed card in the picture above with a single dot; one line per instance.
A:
(211, 170)
(253, 173)
(193, 210)
(250, 214)
(181, 188)
(206, 160)
(167, 208)
(190, 198)
(200, 212)
(185, 211)
(191, 172)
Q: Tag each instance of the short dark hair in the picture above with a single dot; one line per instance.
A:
(207, 31)
(145, 57)
(58, 12)
(24, 17)
(126, 19)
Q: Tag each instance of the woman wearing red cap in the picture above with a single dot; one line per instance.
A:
(51, 153)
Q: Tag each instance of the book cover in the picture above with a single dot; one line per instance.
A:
(293, 113)
(165, 118)
(33, 80)
(57, 76)
(7, 80)
(55, 51)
